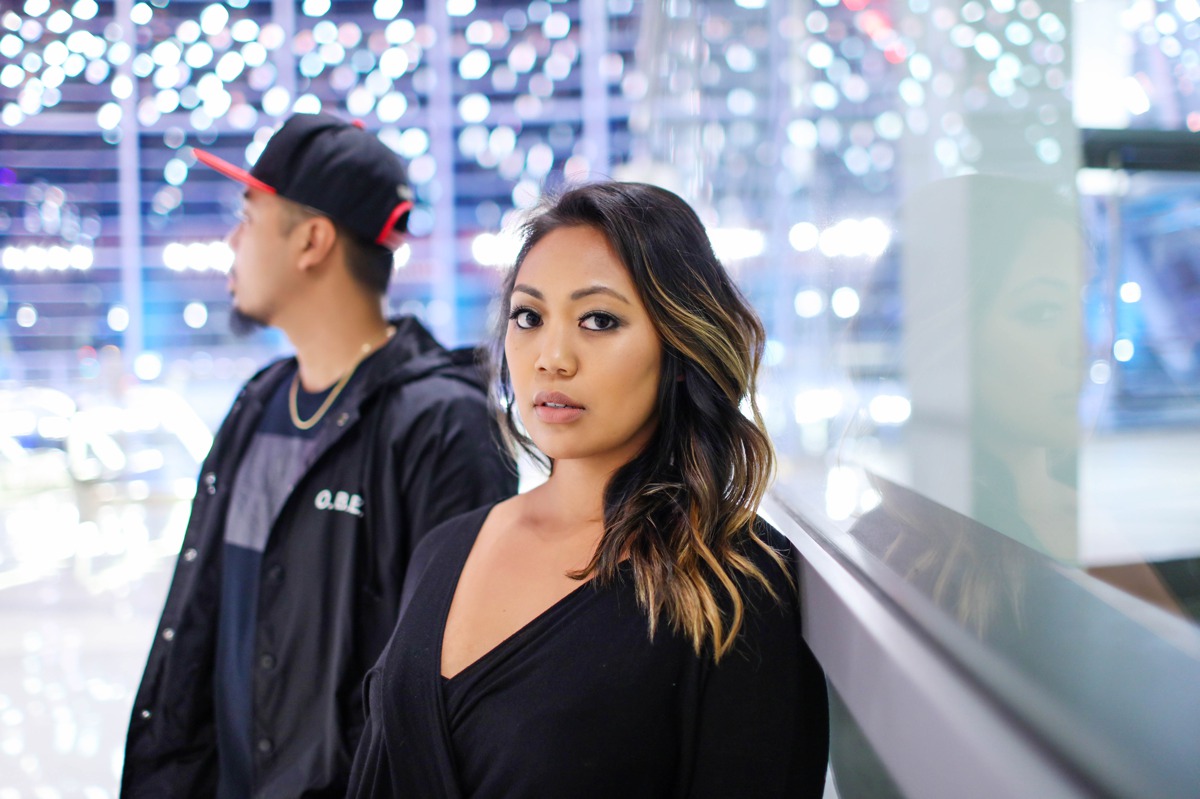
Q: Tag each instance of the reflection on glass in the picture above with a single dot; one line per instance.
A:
(992, 274)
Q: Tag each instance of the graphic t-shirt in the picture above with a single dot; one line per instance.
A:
(272, 465)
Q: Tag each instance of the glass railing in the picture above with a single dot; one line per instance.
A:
(1103, 681)
(1005, 441)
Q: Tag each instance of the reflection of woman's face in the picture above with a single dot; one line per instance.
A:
(1028, 353)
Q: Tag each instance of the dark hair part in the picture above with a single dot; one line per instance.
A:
(685, 503)
(370, 264)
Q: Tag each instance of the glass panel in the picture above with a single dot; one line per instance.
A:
(1139, 471)
(952, 367)
(855, 770)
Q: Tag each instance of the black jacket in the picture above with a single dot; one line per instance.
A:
(413, 437)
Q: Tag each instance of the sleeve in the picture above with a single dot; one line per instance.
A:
(171, 745)
(369, 771)
(763, 720)
(453, 463)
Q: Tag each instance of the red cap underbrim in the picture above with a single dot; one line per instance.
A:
(389, 237)
(230, 171)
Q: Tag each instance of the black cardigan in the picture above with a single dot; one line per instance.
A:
(581, 702)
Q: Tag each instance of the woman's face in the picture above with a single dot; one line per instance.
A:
(1029, 348)
(583, 355)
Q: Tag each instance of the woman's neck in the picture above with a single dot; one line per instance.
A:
(573, 495)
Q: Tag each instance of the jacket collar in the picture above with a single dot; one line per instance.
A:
(412, 353)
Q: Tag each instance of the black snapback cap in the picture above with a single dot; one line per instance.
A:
(336, 168)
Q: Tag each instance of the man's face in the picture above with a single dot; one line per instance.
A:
(265, 245)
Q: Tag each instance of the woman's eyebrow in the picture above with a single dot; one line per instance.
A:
(591, 290)
(575, 295)
(530, 290)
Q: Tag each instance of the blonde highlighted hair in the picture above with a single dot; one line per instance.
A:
(684, 509)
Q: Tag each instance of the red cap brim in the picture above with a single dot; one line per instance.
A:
(230, 171)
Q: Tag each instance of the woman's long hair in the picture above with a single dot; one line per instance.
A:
(684, 503)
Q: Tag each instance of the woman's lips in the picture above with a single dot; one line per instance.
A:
(554, 407)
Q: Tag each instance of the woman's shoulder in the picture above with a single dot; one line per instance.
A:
(449, 535)
(769, 586)
(771, 598)
(438, 552)
(782, 556)
(769, 535)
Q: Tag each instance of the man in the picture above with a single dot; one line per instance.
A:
(328, 470)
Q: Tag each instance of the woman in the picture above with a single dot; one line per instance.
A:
(628, 628)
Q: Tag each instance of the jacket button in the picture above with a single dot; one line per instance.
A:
(190, 554)
(168, 634)
(341, 422)
(145, 713)
(265, 746)
(210, 482)
(275, 574)
(267, 661)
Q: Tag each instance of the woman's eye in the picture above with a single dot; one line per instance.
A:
(1040, 313)
(599, 321)
(525, 318)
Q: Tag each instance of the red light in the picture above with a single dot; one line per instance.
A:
(873, 23)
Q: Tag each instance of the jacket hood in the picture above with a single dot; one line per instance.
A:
(411, 354)
(414, 353)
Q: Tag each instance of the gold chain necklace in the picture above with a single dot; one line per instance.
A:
(306, 424)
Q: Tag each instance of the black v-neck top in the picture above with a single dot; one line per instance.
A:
(581, 702)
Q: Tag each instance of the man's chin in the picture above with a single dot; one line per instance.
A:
(241, 324)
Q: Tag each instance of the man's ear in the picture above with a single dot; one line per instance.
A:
(319, 236)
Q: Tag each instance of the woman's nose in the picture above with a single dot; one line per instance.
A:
(557, 354)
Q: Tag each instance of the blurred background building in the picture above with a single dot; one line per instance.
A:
(835, 150)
